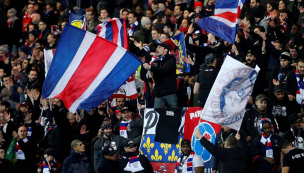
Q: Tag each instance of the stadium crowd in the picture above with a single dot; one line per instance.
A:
(43, 136)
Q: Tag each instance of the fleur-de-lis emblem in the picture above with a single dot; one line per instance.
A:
(156, 157)
(165, 147)
(173, 157)
(148, 145)
(178, 146)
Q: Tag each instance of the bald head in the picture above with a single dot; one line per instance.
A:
(36, 18)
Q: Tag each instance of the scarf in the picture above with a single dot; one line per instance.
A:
(188, 160)
(266, 139)
(284, 25)
(123, 128)
(117, 110)
(133, 164)
(46, 168)
(295, 136)
(132, 28)
(300, 91)
(10, 21)
(29, 133)
(19, 153)
(26, 20)
(29, 44)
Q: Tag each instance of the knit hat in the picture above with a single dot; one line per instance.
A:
(105, 125)
(108, 151)
(278, 88)
(4, 48)
(34, 33)
(257, 13)
(26, 104)
(285, 55)
(196, 4)
(12, 11)
(24, 49)
(49, 151)
(293, 118)
(251, 51)
(184, 142)
(144, 21)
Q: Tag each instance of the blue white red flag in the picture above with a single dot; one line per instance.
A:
(87, 69)
(114, 30)
(225, 20)
(77, 21)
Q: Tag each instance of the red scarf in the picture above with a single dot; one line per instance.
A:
(9, 21)
(26, 21)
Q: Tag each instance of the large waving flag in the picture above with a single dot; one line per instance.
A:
(77, 21)
(114, 30)
(229, 94)
(225, 20)
(87, 69)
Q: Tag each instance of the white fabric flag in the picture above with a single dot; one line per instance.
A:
(230, 93)
(48, 58)
(127, 90)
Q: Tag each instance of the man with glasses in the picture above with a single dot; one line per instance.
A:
(51, 41)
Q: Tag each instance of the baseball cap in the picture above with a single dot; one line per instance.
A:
(164, 45)
(130, 144)
(251, 51)
(108, 151)
(278, 88)
(126, 108)
(105, 125)
(26, 104)
(185, 142)
(261, 97)
(286, 56)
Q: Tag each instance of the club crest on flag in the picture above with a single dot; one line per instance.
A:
(209, 133)
(77, 23)
(230, 96)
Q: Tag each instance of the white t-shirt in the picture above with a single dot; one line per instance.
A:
(196, 162)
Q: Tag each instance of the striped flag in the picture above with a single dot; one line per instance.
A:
(225, 20)
(77, 21)
(114, 30)
(90, 72)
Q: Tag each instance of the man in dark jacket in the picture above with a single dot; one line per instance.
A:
(164, 75)
(205, 79)
(133, 161)
(107, 138)
(250, 127)
(232, 158)
(77, 162)
(220, 141)
(292, 83)
(6, 166)
(282, 108)
(130, 126)
(267, 158)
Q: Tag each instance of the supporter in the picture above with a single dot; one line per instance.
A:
(295, 134)
(34, 130)
(133, 23)
(49, 163)
(44, 30)
(144, 34)
(25, 151)
(51, 41)
(169, 28)
(130, 126)
(294, 79)
(104, 15)
(6, 166)
(51, 14)
(27, 18)
(163, 70)
(279, 74)
(77, 161)
(250, 128)
(188, 156)
(110, 158)
(36, 19)
(267, 159)
(282, 108)
(91, 22)
(107, 138)
(220, 140)
(177, 16)
(7, 128)
(206, 79)
(231, 158)
(14, 27)
(291, 161)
